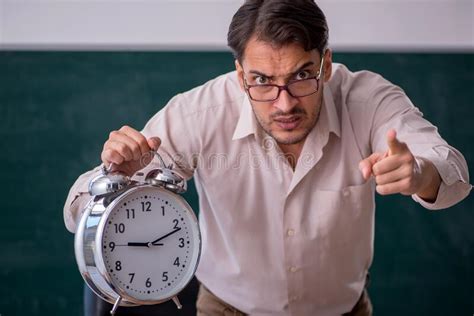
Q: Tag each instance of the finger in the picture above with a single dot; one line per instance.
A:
(391, 163)
(402, 172)
(365, 165)
(138, 137)
(394, 145)
(400, 186)
(120, 148)
(109, 156)
(154, 142)
(134, 147)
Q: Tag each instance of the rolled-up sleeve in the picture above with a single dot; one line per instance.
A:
(394, 110)
(453, 171)
(77, 199)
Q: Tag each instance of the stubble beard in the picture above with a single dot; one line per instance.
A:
(297, 138)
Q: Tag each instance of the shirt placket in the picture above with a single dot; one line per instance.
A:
(293, 239)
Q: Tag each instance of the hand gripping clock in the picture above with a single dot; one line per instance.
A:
(138, 243)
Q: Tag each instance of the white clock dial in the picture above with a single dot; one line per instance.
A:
(150, 244)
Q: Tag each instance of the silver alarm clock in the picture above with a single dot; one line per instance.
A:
(138, 243)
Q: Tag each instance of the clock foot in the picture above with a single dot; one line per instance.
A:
(176, 301)
(116, 305)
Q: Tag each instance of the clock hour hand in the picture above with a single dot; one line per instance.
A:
(154, 243)
(142, 244)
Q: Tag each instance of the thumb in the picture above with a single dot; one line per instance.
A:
(154, 142)
(365, 166)
(394, 145)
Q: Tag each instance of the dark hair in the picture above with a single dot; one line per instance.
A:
(279, 22)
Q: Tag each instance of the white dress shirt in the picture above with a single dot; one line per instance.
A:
(278, 241)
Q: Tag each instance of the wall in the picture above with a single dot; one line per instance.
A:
(355, 25)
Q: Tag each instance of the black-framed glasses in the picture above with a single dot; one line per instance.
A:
(297, 88)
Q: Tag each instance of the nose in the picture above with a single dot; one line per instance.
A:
(285, 102)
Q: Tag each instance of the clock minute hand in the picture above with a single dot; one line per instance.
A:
(154, 243)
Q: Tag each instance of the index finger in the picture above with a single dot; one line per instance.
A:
(394, 144)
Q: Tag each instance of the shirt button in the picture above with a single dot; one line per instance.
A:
(293, 269)
(346, 192)
(290, 232)
(293, 298)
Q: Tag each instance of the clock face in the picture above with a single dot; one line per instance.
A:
(150, 243)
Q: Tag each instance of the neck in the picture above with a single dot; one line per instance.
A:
(292, 152)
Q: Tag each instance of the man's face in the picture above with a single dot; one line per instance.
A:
(287, 119)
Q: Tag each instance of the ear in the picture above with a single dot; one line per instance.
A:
(327, 65)
(240, 74)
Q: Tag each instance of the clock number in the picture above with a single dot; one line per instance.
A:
(132, 275)
(175, 221)
(165, 276)
(146, 206)
(118, 265)
(111, 246)
(119, 228)
(148, 283)
(181, 242)
(163, 210)
(176, 262)
(130, 212)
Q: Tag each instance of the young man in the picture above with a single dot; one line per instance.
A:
(287, 215)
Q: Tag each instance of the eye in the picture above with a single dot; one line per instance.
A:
(303, 74)
(260, 80)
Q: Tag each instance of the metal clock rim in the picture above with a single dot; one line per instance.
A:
(80, 256)
(88, 269)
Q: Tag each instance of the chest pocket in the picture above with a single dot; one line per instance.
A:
(341, 217)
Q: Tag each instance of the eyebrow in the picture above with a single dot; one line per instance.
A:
(305, 65)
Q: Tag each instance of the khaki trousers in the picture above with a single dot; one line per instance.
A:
(210, 305)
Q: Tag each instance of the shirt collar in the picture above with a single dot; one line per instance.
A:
(248, 124)
(329, 112)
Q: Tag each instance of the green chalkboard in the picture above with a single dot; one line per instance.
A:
(57, 108)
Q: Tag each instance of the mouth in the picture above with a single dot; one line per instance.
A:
(288, 122)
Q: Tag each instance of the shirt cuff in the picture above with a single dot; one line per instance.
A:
(454, 185)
